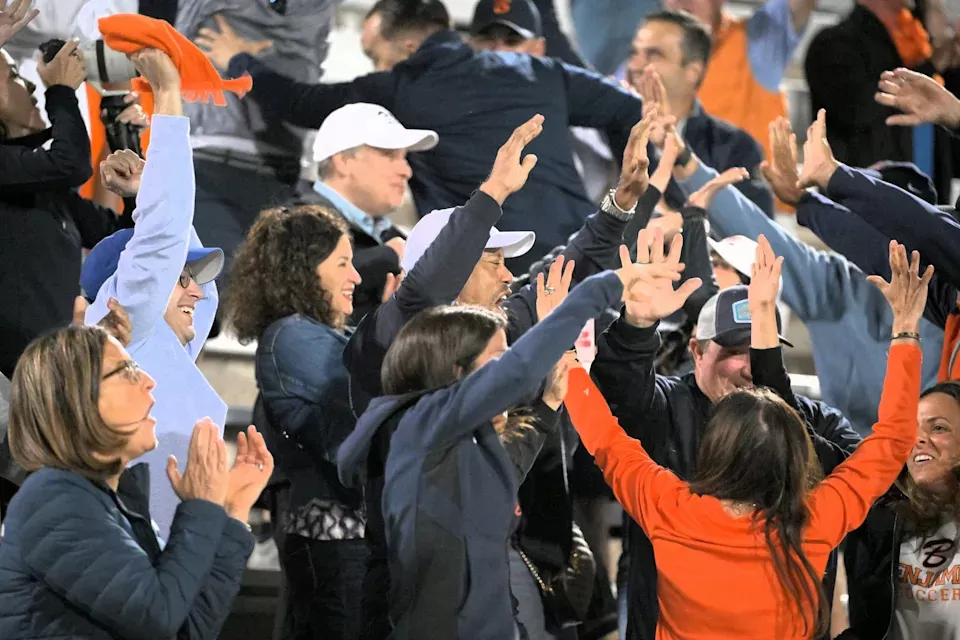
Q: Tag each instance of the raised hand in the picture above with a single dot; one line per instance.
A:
(555, 390)
(764, 276)
(120, 172)
(668, 157)
(648, 292)
(781, 170)
(205, 477)
(703, 197)
(249, 474)
(65, 69)
(654, 96)
(818, 161)
(14, 17)
(158, 69)
(221, 47)
(117, 322)
(510, 171)
(553, 289)
(633, 175)
(907, 290)
(919, 97)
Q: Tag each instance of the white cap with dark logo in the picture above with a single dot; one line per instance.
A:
(513, 243)
(359, 124)
(726, 320)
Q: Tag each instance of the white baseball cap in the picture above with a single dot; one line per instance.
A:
(737, 251)
(513, 243)
(359, 124)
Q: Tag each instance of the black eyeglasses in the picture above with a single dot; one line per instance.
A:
(129, 369)
(186, 276)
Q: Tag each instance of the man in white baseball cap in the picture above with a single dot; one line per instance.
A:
(489, 284)
(360, 153)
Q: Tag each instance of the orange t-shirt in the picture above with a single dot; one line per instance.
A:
(715, 574)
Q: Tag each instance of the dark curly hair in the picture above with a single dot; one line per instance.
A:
(274, 272)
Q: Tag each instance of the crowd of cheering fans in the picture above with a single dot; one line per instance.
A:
(592, 301)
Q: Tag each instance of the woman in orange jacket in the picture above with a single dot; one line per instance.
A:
(740, 549)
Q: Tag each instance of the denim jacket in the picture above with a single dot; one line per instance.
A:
(305, 399)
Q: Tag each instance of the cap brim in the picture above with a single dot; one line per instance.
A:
(513, 243)
(205, 264)
(410, 139)
(740, 337)
(513, 26)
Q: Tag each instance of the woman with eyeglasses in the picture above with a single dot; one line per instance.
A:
(79, 557)
(292, 290)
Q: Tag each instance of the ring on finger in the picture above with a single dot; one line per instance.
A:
(549, 290)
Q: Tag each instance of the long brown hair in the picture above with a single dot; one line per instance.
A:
(923, 510)
(54, 406)
(438, 347)
(756, 451)
(274, 272)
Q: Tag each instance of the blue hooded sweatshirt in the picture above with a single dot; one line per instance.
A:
(450, 490)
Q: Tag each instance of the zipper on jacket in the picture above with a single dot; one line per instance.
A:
(894, 563)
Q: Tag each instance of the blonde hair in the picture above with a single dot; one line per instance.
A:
(54, 406)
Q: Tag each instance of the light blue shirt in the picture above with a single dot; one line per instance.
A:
(148, 271)
(372, 226)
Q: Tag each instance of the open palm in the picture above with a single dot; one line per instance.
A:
(654, 296)
(920, 98)
(14, 17)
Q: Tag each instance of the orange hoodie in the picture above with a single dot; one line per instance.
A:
(715, 573)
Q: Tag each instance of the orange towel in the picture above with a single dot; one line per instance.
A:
(129, 33)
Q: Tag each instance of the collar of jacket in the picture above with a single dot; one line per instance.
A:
(32, 140)
(447, 46)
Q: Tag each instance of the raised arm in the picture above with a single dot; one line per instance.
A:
(833, 437)
(642, 487)
(307, 105)
(440, 274)
(596, 102)
(840, 503)
(150, 265)
(815, 283)
(502, 383)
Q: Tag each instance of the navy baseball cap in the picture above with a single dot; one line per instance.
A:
(101, 263)
(725, 319)
(522, 16)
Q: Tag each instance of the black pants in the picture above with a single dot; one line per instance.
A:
(324, 582)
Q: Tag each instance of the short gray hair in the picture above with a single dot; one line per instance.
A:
(325, 166)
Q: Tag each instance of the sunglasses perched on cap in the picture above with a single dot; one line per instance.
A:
(129, 369)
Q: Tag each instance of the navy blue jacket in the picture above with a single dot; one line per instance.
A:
(917, 224)
(474, 101)
(304, 395)
(450, 491)
(78, 562)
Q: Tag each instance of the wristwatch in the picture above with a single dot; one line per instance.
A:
(683, 157)
(610, 207)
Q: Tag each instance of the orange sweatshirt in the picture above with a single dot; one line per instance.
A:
(715, 575)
